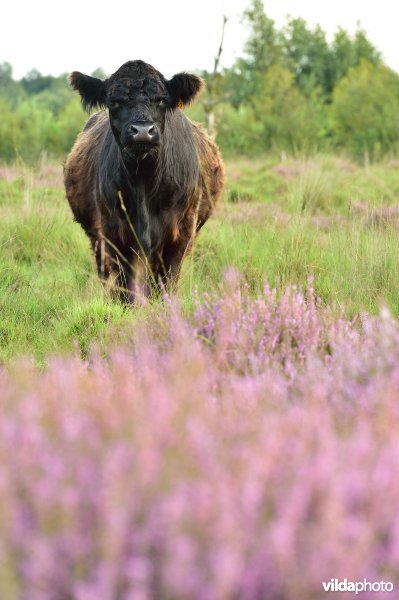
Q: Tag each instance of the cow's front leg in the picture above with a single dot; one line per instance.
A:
(170, 263)
(141, 279)
(113, 267)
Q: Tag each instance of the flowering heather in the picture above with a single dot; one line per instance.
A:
(249, 452)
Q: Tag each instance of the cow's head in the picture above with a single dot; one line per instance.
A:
(137, 97)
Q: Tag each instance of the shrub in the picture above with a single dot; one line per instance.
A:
(365, 110)
(238, 131)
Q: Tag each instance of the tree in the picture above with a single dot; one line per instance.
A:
(262, 50)
(34, 82)
(364, 49)
(239, 131)
(7, 131)
(308, 55)
(343, 56)
(55, 96)
(347, 53)
(5, 75)
(365, 110)
(291, 122)
(214, 92)
(10, 90)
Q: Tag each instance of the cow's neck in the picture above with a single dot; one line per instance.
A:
(139, 175)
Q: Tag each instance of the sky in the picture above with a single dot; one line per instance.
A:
(172, 35)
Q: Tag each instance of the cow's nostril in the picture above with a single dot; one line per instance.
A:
(151, 130)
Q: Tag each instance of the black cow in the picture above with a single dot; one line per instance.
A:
(141, 178)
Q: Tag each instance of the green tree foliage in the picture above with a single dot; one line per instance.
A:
(39, 114)
(5, 75)
(365, 110)
(287, 77)
(305, 51)
(261, 51)
(347, 52)
(34, 130)
(8, 124)
(70, 121)
(239, 130)
(38, 130)
(10, 90)
(263, 46)
(364, 49)
(34, 82)
(289, 120)
(308, 55)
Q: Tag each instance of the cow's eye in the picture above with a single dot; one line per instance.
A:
(112, 105)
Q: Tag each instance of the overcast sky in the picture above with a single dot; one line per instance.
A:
(173, 35)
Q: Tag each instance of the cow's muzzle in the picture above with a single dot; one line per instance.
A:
(144, 132)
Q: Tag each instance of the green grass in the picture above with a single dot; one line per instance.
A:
(324, 217)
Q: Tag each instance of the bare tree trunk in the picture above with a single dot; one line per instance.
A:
(366, 159)
(210, 124)
(211, 101)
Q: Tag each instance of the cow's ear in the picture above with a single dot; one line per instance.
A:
(184, 88)
(92, 90)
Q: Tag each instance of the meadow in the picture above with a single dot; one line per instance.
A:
(235, 441)
(325, 218)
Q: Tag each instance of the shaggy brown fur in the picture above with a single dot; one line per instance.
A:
(141, 204)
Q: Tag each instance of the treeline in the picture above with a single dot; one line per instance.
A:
(293, 91)
(39, 115)
(296, 92)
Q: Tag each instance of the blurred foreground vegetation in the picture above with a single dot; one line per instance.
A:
(293, 92)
